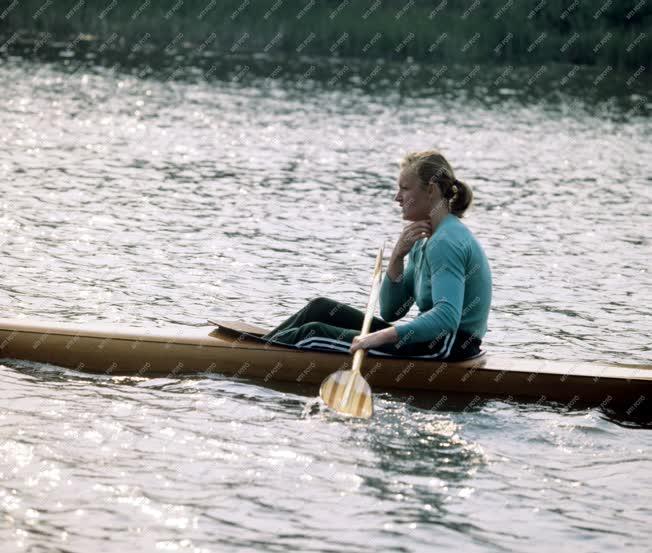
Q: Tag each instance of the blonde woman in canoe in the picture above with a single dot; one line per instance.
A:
(447, 274)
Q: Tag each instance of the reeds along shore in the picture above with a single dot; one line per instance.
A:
(602, 33)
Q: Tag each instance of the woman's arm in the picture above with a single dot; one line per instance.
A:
(395, 267)
(447, 263)
(397, 289)
(375, 339)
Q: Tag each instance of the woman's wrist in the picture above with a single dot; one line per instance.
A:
(397, 256)
(378, 338)
(390, 335)
(395, 268)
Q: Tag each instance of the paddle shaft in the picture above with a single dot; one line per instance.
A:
(358, 356)
(347, 391)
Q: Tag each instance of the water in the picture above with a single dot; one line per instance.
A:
(129, 196)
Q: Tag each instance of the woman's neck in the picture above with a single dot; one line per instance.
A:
(437, 215)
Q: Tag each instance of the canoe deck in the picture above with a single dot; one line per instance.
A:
(235, 349)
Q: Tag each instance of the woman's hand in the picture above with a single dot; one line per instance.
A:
(375, 339)
(411, 233)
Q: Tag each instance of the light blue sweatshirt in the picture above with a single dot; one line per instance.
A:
(449, 277)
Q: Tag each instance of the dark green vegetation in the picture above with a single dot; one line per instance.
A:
(603, 33)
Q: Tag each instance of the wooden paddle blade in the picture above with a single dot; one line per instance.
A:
(333, 392)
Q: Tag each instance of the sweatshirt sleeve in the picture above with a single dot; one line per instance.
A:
(447, 263)
(396, 298)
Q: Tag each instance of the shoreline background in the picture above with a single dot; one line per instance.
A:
(607, 34)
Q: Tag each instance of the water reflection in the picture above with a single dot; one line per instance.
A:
(143, 200)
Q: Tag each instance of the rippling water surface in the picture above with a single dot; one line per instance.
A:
(131, 197)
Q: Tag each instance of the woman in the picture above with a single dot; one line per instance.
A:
(447, 275)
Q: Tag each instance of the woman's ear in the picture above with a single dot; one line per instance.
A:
(432, 186)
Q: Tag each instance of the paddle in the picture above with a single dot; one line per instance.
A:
(347, 391)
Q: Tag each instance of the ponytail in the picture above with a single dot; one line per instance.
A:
(461, 197)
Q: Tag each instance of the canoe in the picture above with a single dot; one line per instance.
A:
(237, 349)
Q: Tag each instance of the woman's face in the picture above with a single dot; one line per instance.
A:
(415, 201)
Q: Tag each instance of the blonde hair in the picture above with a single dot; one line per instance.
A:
(431, 164)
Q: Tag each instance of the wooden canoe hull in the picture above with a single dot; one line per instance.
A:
(175, 352)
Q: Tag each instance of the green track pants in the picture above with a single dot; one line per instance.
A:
(328, 324)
